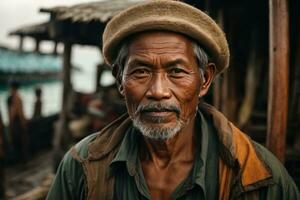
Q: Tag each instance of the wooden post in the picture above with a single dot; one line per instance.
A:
(100, 69)
(219, 95)
(37, 45)
(278, 77)
(207, 5)
(224, 94)
(21, 42)
(63, 135)
(216, 93)
(54, 52)
(67, 87)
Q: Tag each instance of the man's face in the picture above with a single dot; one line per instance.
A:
(161, 83)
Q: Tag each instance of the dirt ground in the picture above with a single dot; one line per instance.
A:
(27, 178)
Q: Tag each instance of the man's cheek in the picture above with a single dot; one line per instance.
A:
(131, 103)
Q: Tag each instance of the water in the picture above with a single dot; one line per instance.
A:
(83, 80)
(51, 98)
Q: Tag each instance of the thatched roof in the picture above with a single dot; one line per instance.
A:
(84, 23)
(38, 31)
(100, 11)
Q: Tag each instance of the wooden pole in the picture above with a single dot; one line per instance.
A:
(100, 69)
(63, 135)
(278, 77)
(54, 52)
(66, 74)
(21, 43)
(218, 86)
(216, 93)
(37, 46)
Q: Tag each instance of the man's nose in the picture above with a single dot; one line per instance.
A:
(158, 88)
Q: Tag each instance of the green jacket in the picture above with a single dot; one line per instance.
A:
(246, 169)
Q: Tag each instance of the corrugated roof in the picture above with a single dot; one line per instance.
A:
(14, 62)
(94, 11)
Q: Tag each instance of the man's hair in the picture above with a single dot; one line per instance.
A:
(120, 61)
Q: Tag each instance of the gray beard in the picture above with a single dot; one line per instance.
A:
(157, 133)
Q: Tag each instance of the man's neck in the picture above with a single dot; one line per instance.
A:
(162, 153)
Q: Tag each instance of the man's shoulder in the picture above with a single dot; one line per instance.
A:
(279, 172)
(82, 146)
(77, 153)
(270, 160)
(257, 161)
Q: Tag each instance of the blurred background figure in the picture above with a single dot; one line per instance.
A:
(2, 187)
(37, 112)
(17, 126)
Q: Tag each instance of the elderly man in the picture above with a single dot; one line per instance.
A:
(170, 145)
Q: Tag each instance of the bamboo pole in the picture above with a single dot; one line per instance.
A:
(278, 77)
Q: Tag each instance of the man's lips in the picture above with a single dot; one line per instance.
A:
(158, 110)
(158, 113)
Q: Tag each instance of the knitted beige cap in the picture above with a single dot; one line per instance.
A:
(166, 15)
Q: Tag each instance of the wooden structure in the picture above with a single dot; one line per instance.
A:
(278, 77)
(39, 32)
(80, 24)
(257, 92)
(83, 23)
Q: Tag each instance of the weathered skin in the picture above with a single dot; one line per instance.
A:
(162, 67)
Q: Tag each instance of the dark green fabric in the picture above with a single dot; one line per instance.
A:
(69, 182)
(201, 183)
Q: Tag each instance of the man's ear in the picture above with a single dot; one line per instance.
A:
(208, 77)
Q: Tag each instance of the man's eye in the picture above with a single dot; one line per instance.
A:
(177, 72)
(140, 73)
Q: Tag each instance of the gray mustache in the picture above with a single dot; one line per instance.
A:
(158, 107)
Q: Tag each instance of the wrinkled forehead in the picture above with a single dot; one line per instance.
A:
(160, 42)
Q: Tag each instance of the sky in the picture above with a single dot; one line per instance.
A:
(17, 13)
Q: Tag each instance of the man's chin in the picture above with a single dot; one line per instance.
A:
(158, 134)
(158, 131)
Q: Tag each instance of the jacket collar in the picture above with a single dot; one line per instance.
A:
(109, 138)
(238, 151)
